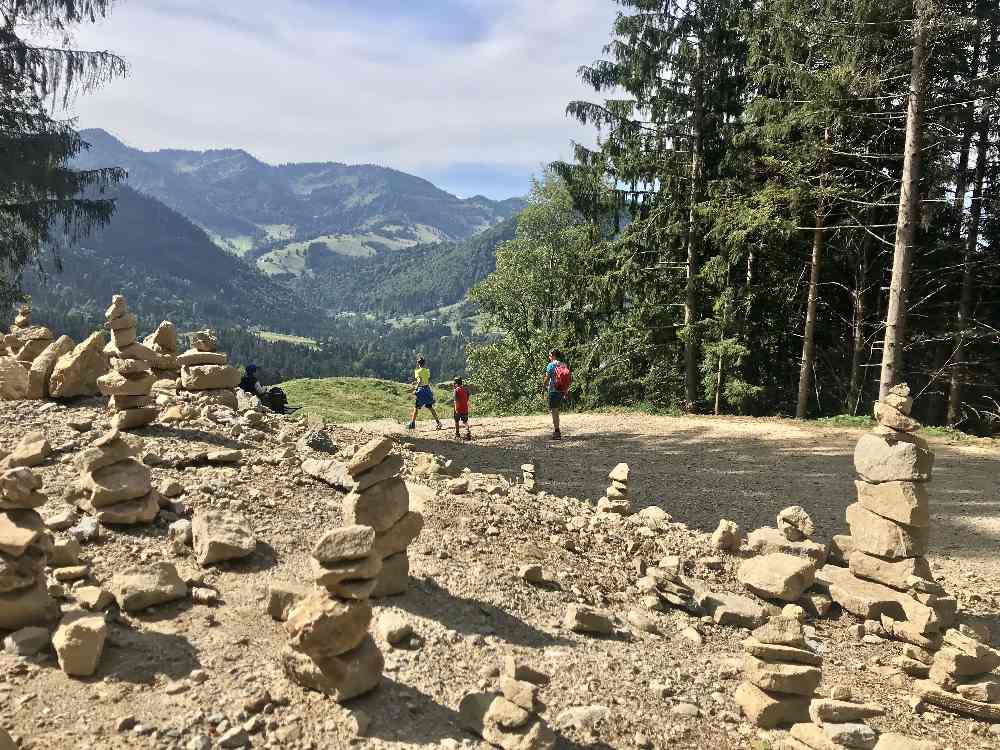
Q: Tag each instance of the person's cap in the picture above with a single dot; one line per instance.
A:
(251, 368)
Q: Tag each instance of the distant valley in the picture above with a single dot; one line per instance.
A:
(286, 219)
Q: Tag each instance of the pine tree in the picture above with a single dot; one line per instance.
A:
(42, 200)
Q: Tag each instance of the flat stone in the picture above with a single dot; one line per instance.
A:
(584, 718)
(27, 641)
(521, 693)
(732, 609)
(983, 689)
(902, 574)
(19, 530)
(282, 596)
(27, 606)
(796, 679)
(884, 538)
(870, 601)
(225, 457)
(130, 512)
(330, 471)
(889, 416)
(768, 710)
(813, 736)
(823, 710)
(772, 653)
(583, 619)
(904, 502)
(218, 536)
(330, 575)
(61, 518)
(370, 455)
(768, 540)
(399, 536)
(193, 358)
(319, 626)
(116, 384)
(126, 480)
(30, 451)
(111, 448)
(389, 468)
(344, 543)
(777, 576)
(894, 741)
(93, 598)
(133, 419)
(960, 664)
(139, 588)
(885, 455)
(781, 631)
(209, 377)
(852, 735)
(380, 506)
(79, 643)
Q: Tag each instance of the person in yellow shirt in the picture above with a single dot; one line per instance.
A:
(424, 394)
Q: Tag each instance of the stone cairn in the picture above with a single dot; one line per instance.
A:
(962, 676)
(617, 498)
(166, 368)
(116, 486)
(889, 581)
(131, 379)
(27, 341)
(380, 499)
(331, 649)
(528, 474)
(783, 575)
(510, 719)
(836, 723)
(205, 372)
(24, 549)
(780, 674)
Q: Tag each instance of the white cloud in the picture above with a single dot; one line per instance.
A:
(317, 81)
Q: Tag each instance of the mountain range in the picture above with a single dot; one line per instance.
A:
(284, 218)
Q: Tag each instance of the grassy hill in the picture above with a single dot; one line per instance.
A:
(358, 399)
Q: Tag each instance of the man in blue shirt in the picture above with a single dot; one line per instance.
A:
(556, 396)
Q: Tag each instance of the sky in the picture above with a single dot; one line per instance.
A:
(470, 94)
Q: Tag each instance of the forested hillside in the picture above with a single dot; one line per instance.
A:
(273, 212)
(791, 206)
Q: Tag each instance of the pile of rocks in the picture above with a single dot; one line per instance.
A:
(510, 719)
(331, 649)
(837, 723)
(206, 373)
(115, 486)
(962, 676)
(27, 341)
(24, 548)
(131, 379)
(166, 368)
(379, 498)
(889, 579)
(617, 498)
(780, 674)
(782, 575)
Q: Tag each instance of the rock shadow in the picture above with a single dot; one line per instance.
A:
(193, 435)
(468, 616)
(141, 656)
(264, 557)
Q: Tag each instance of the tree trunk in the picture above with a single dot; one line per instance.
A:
(965, 300)
(691, 292)
(856, 390)
(909, 205)
(809, 336)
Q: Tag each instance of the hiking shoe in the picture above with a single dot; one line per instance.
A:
(557, 435)
(439, 427)
(468, 437)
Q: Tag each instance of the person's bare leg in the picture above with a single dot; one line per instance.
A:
(413, 419)
(555, 420)
(436, 417)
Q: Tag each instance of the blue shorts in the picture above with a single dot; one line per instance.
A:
(425, 396)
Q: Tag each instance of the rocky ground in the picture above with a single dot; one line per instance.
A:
(180, 675)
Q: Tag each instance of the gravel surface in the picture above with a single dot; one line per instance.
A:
(183, 671)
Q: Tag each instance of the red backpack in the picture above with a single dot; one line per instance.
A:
(563, 378)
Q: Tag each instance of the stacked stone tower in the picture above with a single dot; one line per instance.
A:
(780, 674)
(131, 379)
(163, 341)
(381, 500)
(116, 486)
(890, 580)
(24, 548)
(617, 498)
(27, 341)
(963, 675)
(331, 649)
(206, 372)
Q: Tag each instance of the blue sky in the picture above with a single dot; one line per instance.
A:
(470, 94)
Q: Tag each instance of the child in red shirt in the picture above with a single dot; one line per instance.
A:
(461, 399)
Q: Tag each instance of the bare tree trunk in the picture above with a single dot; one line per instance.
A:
(965, 300)
(809, 336)
(691, 295)
(909, 204)
(854, 393)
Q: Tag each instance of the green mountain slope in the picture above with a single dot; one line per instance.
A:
(169, 269)
(275, 214)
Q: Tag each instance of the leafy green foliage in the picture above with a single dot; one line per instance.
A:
(359, 399)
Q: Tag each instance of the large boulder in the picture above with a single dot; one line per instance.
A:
(125, 480)
(44, 364)
(163, 339)
(320, 626)
(13, 380)
(341, 677)
(76, 373)
(221, 536)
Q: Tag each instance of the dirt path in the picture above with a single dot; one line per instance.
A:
(701, 469)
